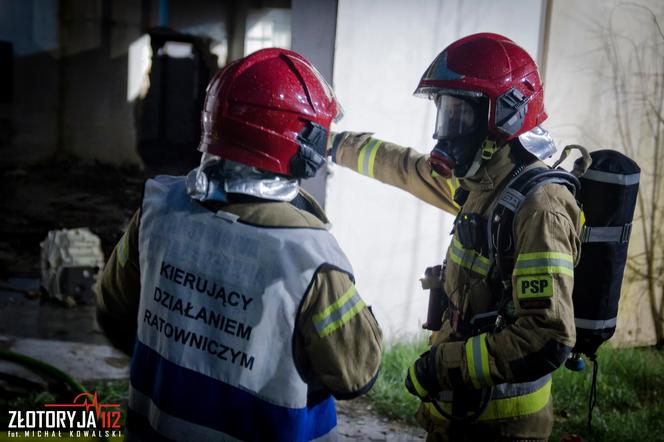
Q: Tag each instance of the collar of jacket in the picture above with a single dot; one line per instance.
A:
(492, 173)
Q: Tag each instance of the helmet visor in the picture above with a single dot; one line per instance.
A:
(456, 116)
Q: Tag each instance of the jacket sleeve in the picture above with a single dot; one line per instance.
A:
(118, 290)
(338, 341)
(398, 166)
(543, 333)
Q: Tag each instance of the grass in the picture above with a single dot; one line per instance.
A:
(389, 395)
(630, 405)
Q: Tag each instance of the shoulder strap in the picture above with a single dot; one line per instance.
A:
(501, 217)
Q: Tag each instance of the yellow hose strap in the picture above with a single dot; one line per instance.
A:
(477, 359)
(367, 157)
(504, 408)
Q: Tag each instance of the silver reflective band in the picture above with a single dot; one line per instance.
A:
(612, 178)
(502, 391)
(595, 324)
(606, 234)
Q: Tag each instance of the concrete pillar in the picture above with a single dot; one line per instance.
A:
(314, 25)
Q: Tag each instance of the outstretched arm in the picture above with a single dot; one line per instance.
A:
(397, 166)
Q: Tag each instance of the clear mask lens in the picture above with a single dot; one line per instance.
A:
(456, 117)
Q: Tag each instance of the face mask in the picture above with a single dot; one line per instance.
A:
(461, 127)
(461, 157)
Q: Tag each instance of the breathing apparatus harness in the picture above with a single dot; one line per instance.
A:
(605, 185)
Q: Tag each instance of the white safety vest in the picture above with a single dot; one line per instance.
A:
(219, 301)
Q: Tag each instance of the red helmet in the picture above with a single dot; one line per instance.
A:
(495, 67)
(271, 110)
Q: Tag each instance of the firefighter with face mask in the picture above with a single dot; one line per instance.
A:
(487, 375)
(237, 304)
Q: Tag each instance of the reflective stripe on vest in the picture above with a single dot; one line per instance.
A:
(219, 300)
(507, 400)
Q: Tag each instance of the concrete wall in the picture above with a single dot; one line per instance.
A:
(382, 49)
(70, 71)
(97, 121)
(30, 117)
(314, 29)
(583, 108)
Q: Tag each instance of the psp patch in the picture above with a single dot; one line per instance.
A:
(534, 286)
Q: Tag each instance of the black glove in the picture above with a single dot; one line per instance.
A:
(421, 379)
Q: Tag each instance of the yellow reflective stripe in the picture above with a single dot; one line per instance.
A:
(545, 255)
(468, 265)
(518, 405)
(341, 321)
(477, 256)
(123, 250)
(372, 158)
(361, 155)
(338, 313)
(468, 259)
(504, 408)
(583, 218)
(416, 382)
(538, 263)
(477, 360)
(318, 317)
(367, 157)
(543, 271)
(453, 184)
(471, 364)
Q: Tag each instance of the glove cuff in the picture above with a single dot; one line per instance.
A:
(428, 377)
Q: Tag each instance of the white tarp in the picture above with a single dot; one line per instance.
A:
(382, 48)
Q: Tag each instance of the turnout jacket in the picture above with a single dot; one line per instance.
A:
(517, 360)
(307, 335)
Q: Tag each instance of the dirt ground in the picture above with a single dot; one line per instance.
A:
(61, 193)
(66, 193)
(358, 422)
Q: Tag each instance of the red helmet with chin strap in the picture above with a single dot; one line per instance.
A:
(271, 110)
(495, 67)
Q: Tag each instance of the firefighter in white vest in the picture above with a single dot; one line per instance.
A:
(237, 304)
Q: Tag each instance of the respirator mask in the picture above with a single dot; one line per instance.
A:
(461, 128)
